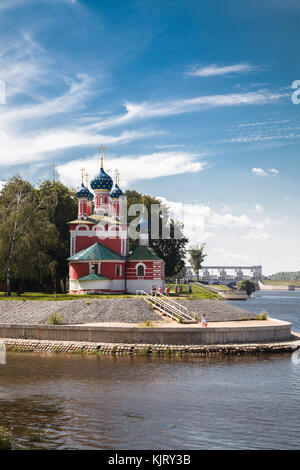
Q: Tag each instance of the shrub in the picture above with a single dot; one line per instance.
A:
(262, 316)
(168, 352)
(5, 439)
(144, 351)
(56, 319)
(78, 351)
(114, 350)
(247, 285)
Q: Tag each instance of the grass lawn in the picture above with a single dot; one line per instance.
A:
(219, 286)
(198, 292)
(42, 296)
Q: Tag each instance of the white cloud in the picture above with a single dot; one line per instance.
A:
(257, 235)
(201, 222)
(215, 70)
(259, 172)
(273, 171)
(134, 168)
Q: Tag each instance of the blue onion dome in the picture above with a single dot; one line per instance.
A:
(116, 192)
(91, 196)
(83, 192)
(102, 181)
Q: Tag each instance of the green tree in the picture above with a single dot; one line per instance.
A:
(171, 248)
(25, 232)
(197, 256)
(247, 285)
(63, 210)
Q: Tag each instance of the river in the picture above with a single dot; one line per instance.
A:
(75, 402)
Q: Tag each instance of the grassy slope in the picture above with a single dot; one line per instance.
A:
(198, 292)
(219, 286)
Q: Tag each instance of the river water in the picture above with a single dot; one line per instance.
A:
(157, 403)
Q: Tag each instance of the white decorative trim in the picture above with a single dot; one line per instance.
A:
(137, 267)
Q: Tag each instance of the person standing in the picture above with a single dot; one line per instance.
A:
(204, 320)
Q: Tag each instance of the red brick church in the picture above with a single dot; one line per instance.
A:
(99, 258)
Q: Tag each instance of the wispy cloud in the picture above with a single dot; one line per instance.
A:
(273, 171)
(146, 109)
(261, 172)
(9, 4)
(216, 70)
(134, 168)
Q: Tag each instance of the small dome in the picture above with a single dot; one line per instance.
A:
(102, 181)
(83, 192)
(116, 192)
(91, 196)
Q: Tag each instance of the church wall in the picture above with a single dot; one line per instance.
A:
(154, 269)
(144, 284)
(109, 269)
(78, 270)
(104, 286)
(83, 242)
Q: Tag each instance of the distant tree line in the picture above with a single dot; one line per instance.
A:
(286, 276)
(35, 238)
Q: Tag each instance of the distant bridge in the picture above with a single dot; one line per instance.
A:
(227, 274)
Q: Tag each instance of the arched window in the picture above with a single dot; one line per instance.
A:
(141, 271)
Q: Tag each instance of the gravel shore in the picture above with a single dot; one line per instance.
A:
(108, 310)
(216, 310)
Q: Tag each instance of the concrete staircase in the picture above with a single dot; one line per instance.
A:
(168, 307)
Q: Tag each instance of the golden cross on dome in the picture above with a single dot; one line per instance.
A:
(82, 175)
(87, 179)
(101, 149)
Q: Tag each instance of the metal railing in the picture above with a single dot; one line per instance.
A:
(168, 307)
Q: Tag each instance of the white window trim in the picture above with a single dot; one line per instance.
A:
(98, 267)
(137, 267)
(116, 273)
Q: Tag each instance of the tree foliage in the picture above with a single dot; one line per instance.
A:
(197, 256)
(172, 249)
(64, 209)
(247, 285)
(26, 232)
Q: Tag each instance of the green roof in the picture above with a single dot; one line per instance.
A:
(95, 252)
(93, 277)
(144, 253)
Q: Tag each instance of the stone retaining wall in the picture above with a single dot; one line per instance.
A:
(48, 347)
(173, 335)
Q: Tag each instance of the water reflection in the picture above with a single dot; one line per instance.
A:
(131, 402)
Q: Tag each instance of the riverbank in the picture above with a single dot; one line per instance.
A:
(168, 333)
(115, 349)
(133, 310)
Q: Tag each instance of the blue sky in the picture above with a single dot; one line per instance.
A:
(192, 100)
